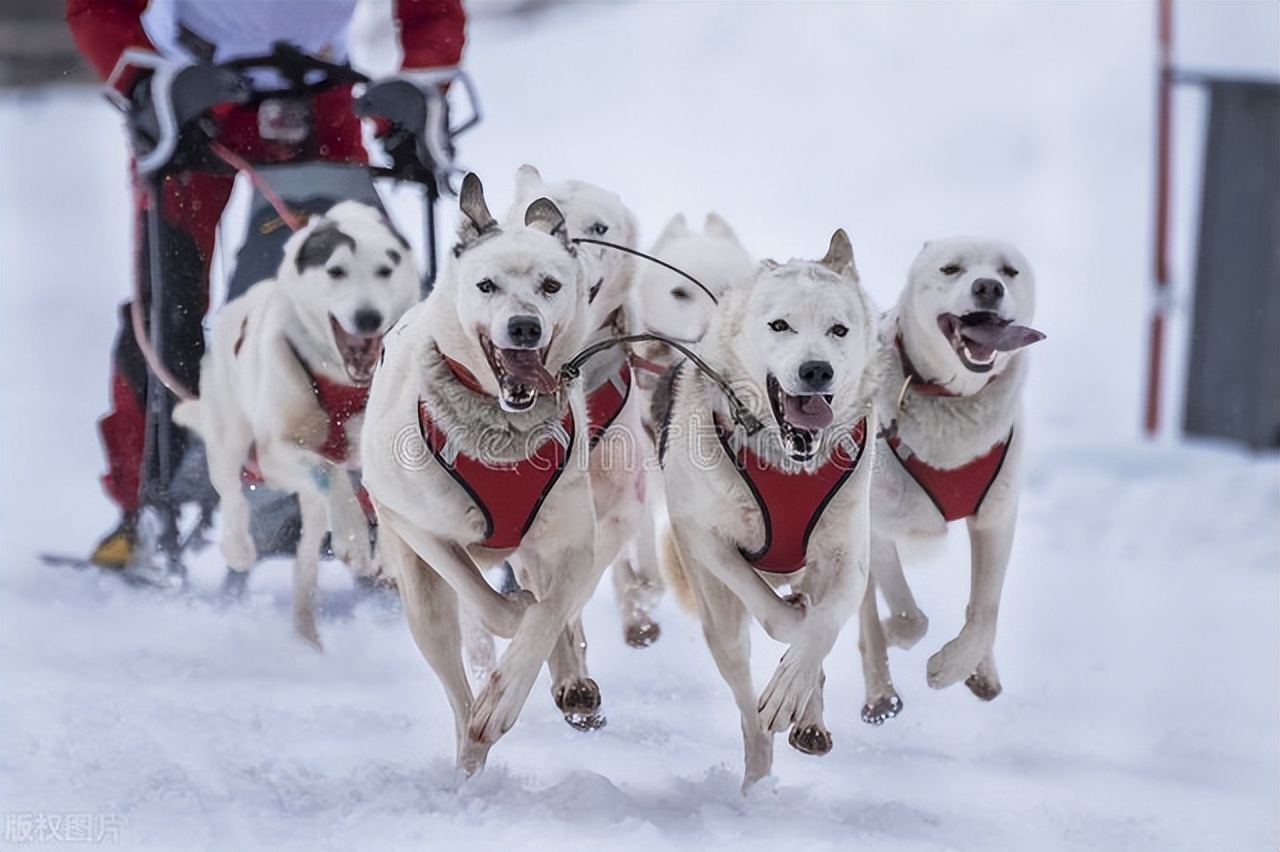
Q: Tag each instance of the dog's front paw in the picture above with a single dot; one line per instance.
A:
(810, 739)
(879, 710)
(787, 692)
(956, 660)
(496, 708)
(985, 682)
(643, 633)
(905, 629)
(579, 701)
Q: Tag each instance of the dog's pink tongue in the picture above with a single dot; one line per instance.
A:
(525, 366)
(1001, 338)
(810, 412)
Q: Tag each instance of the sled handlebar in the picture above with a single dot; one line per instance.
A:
(169, 99)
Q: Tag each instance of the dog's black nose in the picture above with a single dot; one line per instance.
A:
(817, 375)
(367, 321)
(987, 292)
(525, 332)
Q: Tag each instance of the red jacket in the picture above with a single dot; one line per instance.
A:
(432, 32)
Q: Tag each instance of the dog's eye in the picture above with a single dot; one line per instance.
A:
(779, 325)
(550, 286)
(1008, 271)
(838, 330)
(383, 272)
(337, 273)
(486, 286)
(680, 294)
(951, 269)
(598, 229)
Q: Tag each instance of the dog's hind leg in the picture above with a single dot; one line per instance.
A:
(431, 608)
(575, 692)
(348, 526)
(968, 657)
(906, 624)
(883, 702)
(637, 584)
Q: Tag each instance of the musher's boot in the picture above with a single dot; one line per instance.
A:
(117, 548)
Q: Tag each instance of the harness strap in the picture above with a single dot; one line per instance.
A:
(605, 402)
(509, 496)
(956, 492)
(791, 504)
(340, 402)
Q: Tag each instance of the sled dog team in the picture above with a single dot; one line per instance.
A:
(792, 434)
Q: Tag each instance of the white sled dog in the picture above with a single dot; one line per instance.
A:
(666, 303)
(473, 448)
(952, 450)
(284, 384)
(785, 504)
(618, 453)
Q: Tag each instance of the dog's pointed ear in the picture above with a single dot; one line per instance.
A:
(528, 181)
(476, 220)
(768, 265)
(543, 215)
(677, 227)
(839, 257)
(716, 226)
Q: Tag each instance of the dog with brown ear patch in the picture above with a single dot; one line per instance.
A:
(283, 387)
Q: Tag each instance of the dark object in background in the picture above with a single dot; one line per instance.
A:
(1233, 376)
(36, 47)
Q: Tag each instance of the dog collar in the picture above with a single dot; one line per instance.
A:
(791, 503)
(508, 495)
(914, 380)
(464, 375)
(956, 492)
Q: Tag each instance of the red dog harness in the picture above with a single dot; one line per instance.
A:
(791, 503)
(339, 402)
(957, 492)
(508, 495)
(605, 401)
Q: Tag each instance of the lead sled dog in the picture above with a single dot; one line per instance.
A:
(951, 450)
(797, 345)
(474, 448)
(285, 379)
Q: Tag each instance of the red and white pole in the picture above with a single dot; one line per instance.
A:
(1164, 107)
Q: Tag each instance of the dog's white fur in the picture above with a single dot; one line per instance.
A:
(430, 531)
(945, 432)
(713, 512)
(668, 304)
(619, 459)
(348, 266)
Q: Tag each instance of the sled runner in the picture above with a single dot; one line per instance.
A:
(171, 133)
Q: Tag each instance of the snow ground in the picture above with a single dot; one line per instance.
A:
(1140, 631)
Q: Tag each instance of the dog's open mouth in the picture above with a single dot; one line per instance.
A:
(979, 336)
(801, 419)
(360, 352)
(521, 373)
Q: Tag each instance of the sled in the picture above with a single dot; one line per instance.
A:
(171, 134)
